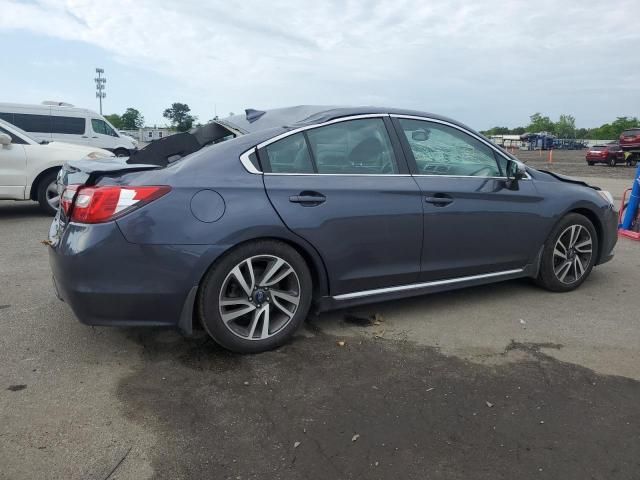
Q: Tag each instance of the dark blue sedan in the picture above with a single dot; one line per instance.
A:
(246, 224)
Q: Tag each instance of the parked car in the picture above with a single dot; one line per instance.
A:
(320, 208)
(630, 139)
(28, 168)
(63, 122)
(610, 154)
(630, 144)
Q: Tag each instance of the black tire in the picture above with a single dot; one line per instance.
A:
(547, 277)
(590, 164)
(121, 152)
(209, 308)
(612, 161)
(43, 194)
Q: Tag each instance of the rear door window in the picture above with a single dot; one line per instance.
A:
(353, 147)
(68, 125)
(289, 155)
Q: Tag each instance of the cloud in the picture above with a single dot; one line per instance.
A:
(480, 60)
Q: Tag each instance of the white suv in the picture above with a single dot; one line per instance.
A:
(28, 168)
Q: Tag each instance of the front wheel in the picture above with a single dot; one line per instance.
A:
(255, 297)
(121, 152)
(47, 193)
(590, 164)
(569, 254)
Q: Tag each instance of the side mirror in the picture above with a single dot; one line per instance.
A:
(420, 135)
(516, 170)
(5, 139)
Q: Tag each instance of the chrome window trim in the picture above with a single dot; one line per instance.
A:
(244, 158)
(471, 134)
(248, 164)
(318, 125)
(340, 174)
(415, 286)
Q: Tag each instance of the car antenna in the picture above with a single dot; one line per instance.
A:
(252, 115)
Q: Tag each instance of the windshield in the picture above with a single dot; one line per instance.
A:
(599, 148)
(19, 131)
(631, 133)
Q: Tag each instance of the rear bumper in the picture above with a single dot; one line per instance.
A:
(109, 281)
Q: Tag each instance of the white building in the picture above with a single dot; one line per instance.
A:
(149, 134)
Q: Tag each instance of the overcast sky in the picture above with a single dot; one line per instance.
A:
(485, 63)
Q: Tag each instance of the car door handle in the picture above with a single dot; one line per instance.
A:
(84, 136)
(308, 199)
(94, 137)
(439, 201)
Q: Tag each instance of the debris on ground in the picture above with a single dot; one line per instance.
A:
(355, 437)
(489, 404)
(296, 444)
(341, 343)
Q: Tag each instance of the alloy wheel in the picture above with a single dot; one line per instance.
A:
(259, 297)
(53, 197)
(572, 254)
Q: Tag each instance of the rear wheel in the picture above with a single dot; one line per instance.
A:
(569, 254)
(47, 193)
(590, 164)
(612, 161)
(255, 297)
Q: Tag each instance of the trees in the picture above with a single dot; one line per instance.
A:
(540, 123)
(132, 119)
(115, 120)
(565, 127)
(179, 116)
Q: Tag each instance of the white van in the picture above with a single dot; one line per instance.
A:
(62, 122)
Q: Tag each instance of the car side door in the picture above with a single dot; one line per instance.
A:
(13, 166)
(476, 220)
(345, 188)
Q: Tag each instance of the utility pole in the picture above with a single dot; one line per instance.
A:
(100, 87)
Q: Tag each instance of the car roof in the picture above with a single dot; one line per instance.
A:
(289, 117)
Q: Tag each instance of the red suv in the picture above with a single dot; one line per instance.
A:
(630, 139)
(609, 154)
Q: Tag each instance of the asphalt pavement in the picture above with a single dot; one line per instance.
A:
(500, 381)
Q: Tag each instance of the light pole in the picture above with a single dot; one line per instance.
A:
(100, 87)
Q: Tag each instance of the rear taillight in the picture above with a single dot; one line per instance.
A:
(67, 198)
(105, 203)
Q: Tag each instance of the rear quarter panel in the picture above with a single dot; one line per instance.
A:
(248, 213)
